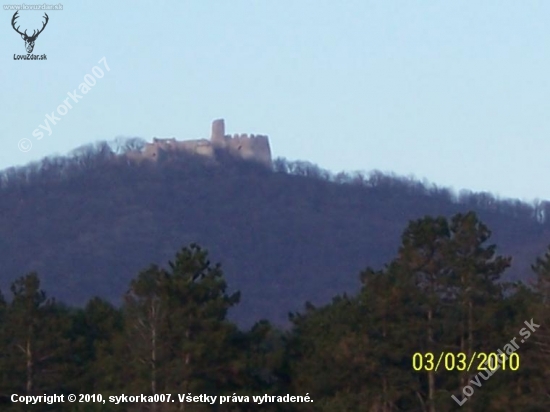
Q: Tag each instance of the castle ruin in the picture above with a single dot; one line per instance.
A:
(253, 147)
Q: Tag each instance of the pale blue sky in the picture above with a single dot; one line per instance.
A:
(453, 91)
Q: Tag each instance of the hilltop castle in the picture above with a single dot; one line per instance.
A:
(253, 147)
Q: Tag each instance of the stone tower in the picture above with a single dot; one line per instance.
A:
(218, 133)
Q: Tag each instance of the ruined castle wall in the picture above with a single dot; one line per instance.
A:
(205, 150)
(150, 151)
(260, 146)
(201, 146)
(253, 147)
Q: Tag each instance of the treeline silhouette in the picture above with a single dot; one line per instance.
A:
(442, 292)
(56, 168)
(89, 221)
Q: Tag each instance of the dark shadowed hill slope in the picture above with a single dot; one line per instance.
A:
(89, 224)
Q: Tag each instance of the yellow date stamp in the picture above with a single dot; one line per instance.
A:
(463, 362)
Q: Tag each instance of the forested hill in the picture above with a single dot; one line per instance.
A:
(88, 223)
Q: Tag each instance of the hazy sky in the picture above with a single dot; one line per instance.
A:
(453, 91)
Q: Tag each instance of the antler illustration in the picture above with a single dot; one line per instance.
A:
(29, 40)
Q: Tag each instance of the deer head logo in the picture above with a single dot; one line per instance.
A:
(29, 40)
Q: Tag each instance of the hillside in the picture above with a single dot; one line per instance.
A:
(89, 223)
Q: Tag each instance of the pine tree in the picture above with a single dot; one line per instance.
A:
(423, 256)
(145, 311)
(536, 354)
(390, 307)
(330, 358)
(475, 288)
(198, 334)
(5, 380)
(38, 347)
(176, 329)
(96, 338)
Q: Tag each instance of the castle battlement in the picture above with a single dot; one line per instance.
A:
(253, 147)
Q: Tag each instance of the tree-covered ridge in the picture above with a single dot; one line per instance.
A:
(102, 154)
(442, 292)
(89, 221)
